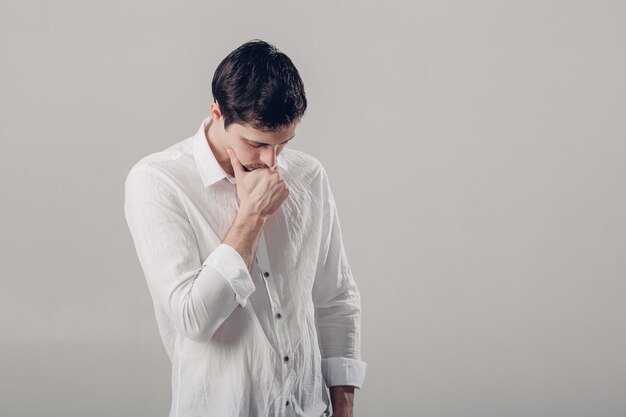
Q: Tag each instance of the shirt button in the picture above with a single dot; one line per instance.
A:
(266, 274)
(278, 315)
(286, 358)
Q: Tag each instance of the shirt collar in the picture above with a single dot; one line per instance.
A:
(210, 170)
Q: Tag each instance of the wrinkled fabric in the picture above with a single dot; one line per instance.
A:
(265, 342)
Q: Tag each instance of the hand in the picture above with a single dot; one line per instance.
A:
(261, 191)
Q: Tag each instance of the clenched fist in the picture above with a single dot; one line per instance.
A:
(260, 191)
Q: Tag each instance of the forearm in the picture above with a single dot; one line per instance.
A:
(238, 246)
(244, 233)
(342, 399)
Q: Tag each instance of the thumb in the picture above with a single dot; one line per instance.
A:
(237, 167)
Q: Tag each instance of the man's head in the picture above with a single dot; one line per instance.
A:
(259, 100)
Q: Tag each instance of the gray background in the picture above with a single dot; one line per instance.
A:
(476, 151)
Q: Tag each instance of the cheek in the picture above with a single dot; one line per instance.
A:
(249, 156)
(242, 151)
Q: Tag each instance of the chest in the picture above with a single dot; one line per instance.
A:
(291, 236)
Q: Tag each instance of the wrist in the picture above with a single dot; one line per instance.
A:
(248, 218)
(342, 395)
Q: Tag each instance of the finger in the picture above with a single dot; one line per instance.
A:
(235, 162)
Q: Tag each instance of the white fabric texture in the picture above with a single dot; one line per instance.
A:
(265, 342)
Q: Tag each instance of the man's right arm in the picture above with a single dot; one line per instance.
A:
(244, 234)
(198, 297)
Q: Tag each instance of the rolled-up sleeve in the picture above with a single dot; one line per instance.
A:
(198, 295)
(337, 303)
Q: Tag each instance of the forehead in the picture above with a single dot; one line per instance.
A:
(248, 132)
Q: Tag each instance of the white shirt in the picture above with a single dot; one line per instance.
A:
(261, 343)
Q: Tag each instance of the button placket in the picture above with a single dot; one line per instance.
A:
(275, 305)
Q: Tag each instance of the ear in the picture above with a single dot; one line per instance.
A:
(216, 112)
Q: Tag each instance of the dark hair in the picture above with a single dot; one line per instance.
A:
(257, 84)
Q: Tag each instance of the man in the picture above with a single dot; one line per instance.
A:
(239, 240)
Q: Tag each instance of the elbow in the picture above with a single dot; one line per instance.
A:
(194, 321)
(198, 331)
(199, 317)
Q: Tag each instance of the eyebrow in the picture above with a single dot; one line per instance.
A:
(262, 143)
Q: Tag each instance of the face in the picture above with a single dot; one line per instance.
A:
(254, 149)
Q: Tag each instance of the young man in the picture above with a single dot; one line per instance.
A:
(239, 240)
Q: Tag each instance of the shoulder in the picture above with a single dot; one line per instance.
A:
(166, 164)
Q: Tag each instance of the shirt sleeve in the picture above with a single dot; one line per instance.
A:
(197, 294)
(337, 303)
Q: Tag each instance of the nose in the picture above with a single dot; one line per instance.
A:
(269, 156)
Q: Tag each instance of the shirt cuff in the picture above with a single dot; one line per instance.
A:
(343, 371)
(228, 262)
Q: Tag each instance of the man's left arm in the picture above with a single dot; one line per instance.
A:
(342, 399)
(338, 312)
